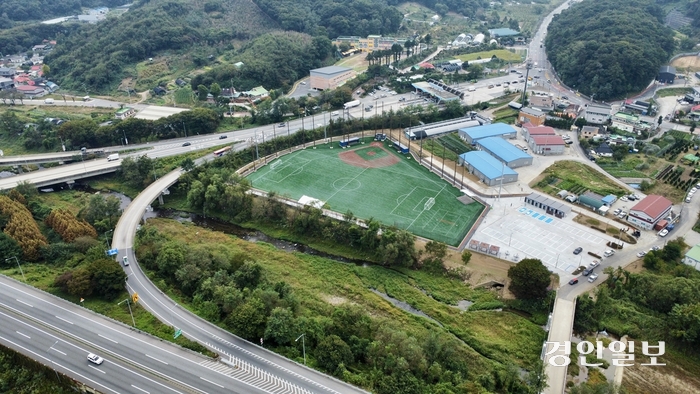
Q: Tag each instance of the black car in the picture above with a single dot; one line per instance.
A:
(281, 124)
(564, 97)
(587, 271)
(578, 250)
(573, 281)
(186, 144)
(223, 137)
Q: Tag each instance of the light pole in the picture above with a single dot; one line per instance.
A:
(18, 265)
(107, 238)
(129, 305)
(303, 345)
(47, 352)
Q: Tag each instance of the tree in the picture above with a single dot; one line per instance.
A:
(202, 93)
(332, 352)
(685, 322)
(466, 257)
(215, 90)
(107, 278)
(187, 164)
(249, 320)
(529, 279)
(281, 326)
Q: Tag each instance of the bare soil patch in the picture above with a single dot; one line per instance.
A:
(353, 159)
(690, 63)
(659, 380)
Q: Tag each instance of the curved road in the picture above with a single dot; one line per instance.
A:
(280, 371)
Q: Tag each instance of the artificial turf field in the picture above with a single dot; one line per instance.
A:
(372, 181)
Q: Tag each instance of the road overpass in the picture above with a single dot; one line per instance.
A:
(68, 174)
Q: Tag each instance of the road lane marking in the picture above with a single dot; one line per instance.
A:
(24, 335)
(160, 361)
(111, 340)
(58, 351)
(209, 381)
(140, 389)
(29, 305)
(97, 369)
(67, 321)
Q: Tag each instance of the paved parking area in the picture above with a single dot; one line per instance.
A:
(526, 232)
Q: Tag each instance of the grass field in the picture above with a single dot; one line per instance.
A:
(499, 53)
(402, 194)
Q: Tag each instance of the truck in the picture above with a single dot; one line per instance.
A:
(113, 156)
(352, 104)
(48, 101)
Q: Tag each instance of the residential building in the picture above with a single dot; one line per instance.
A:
(6, 83)
(651, 209)
(532, 115)
(542, 102)
(7, 72)
(330, 77)
(667, 74)
(692, 257)
(487, 168)
(597, 113)
(30, 91)
(547, 145)
(589, 131)
(624, 121)
(504, 152)
(473, 134)
(604, 150)
(371, 43)
(258, 92)
(550, 206)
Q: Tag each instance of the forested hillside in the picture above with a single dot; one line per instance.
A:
(609, 48)
(357, 18)
(97, 56)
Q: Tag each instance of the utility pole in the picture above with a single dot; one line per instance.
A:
(528, 67)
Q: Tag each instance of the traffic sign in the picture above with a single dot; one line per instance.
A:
(177, 333)
(135, 297)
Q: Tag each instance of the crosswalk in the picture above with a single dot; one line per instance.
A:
(254, 376)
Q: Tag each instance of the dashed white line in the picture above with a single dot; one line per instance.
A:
(209, 381)
(67, 321)
(58, 351)
(24, 335)
(29, 305)
(140, 389)
(97, 369)
(160, 361)
(109, 339)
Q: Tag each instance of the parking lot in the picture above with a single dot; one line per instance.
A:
(526, 232)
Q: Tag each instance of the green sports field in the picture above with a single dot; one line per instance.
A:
(373, 182)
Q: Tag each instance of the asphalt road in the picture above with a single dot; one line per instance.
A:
(61, 334)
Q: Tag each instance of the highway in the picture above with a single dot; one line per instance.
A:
(60, 335)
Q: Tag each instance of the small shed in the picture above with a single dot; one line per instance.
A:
(609, 199)
(563, 194)
(661, 224)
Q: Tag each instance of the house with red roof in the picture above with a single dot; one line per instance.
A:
(30, 91)
(529, 130)
(649, 211)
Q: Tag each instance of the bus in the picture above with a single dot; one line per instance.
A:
(221, 151)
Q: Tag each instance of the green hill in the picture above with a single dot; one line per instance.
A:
(609, 48)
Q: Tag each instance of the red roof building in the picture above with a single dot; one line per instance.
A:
(547, 144)
(646, 213)
(529, 131)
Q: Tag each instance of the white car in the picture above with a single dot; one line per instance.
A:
(609, 253)
(624, 198)
(641, 254)
(592, 278)
(617, 211)
(95, 359)
(663, 233)
(126, 261)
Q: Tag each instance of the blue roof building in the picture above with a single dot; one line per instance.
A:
(503, 32)
(472, 134)
(504, 151)
(487, 168)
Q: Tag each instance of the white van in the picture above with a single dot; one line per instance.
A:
(48, 101)
(335, 113)
(471, 89)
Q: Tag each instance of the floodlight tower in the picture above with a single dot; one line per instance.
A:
(528, 67)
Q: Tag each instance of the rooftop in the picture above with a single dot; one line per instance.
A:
(694, 253)
(503, 32)
(330, 70)
(541, 130)
(487, 164)
(626, 117)
(652, 205)
(489, 130)
(548, 140)
(503, 149)
(532, 111)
